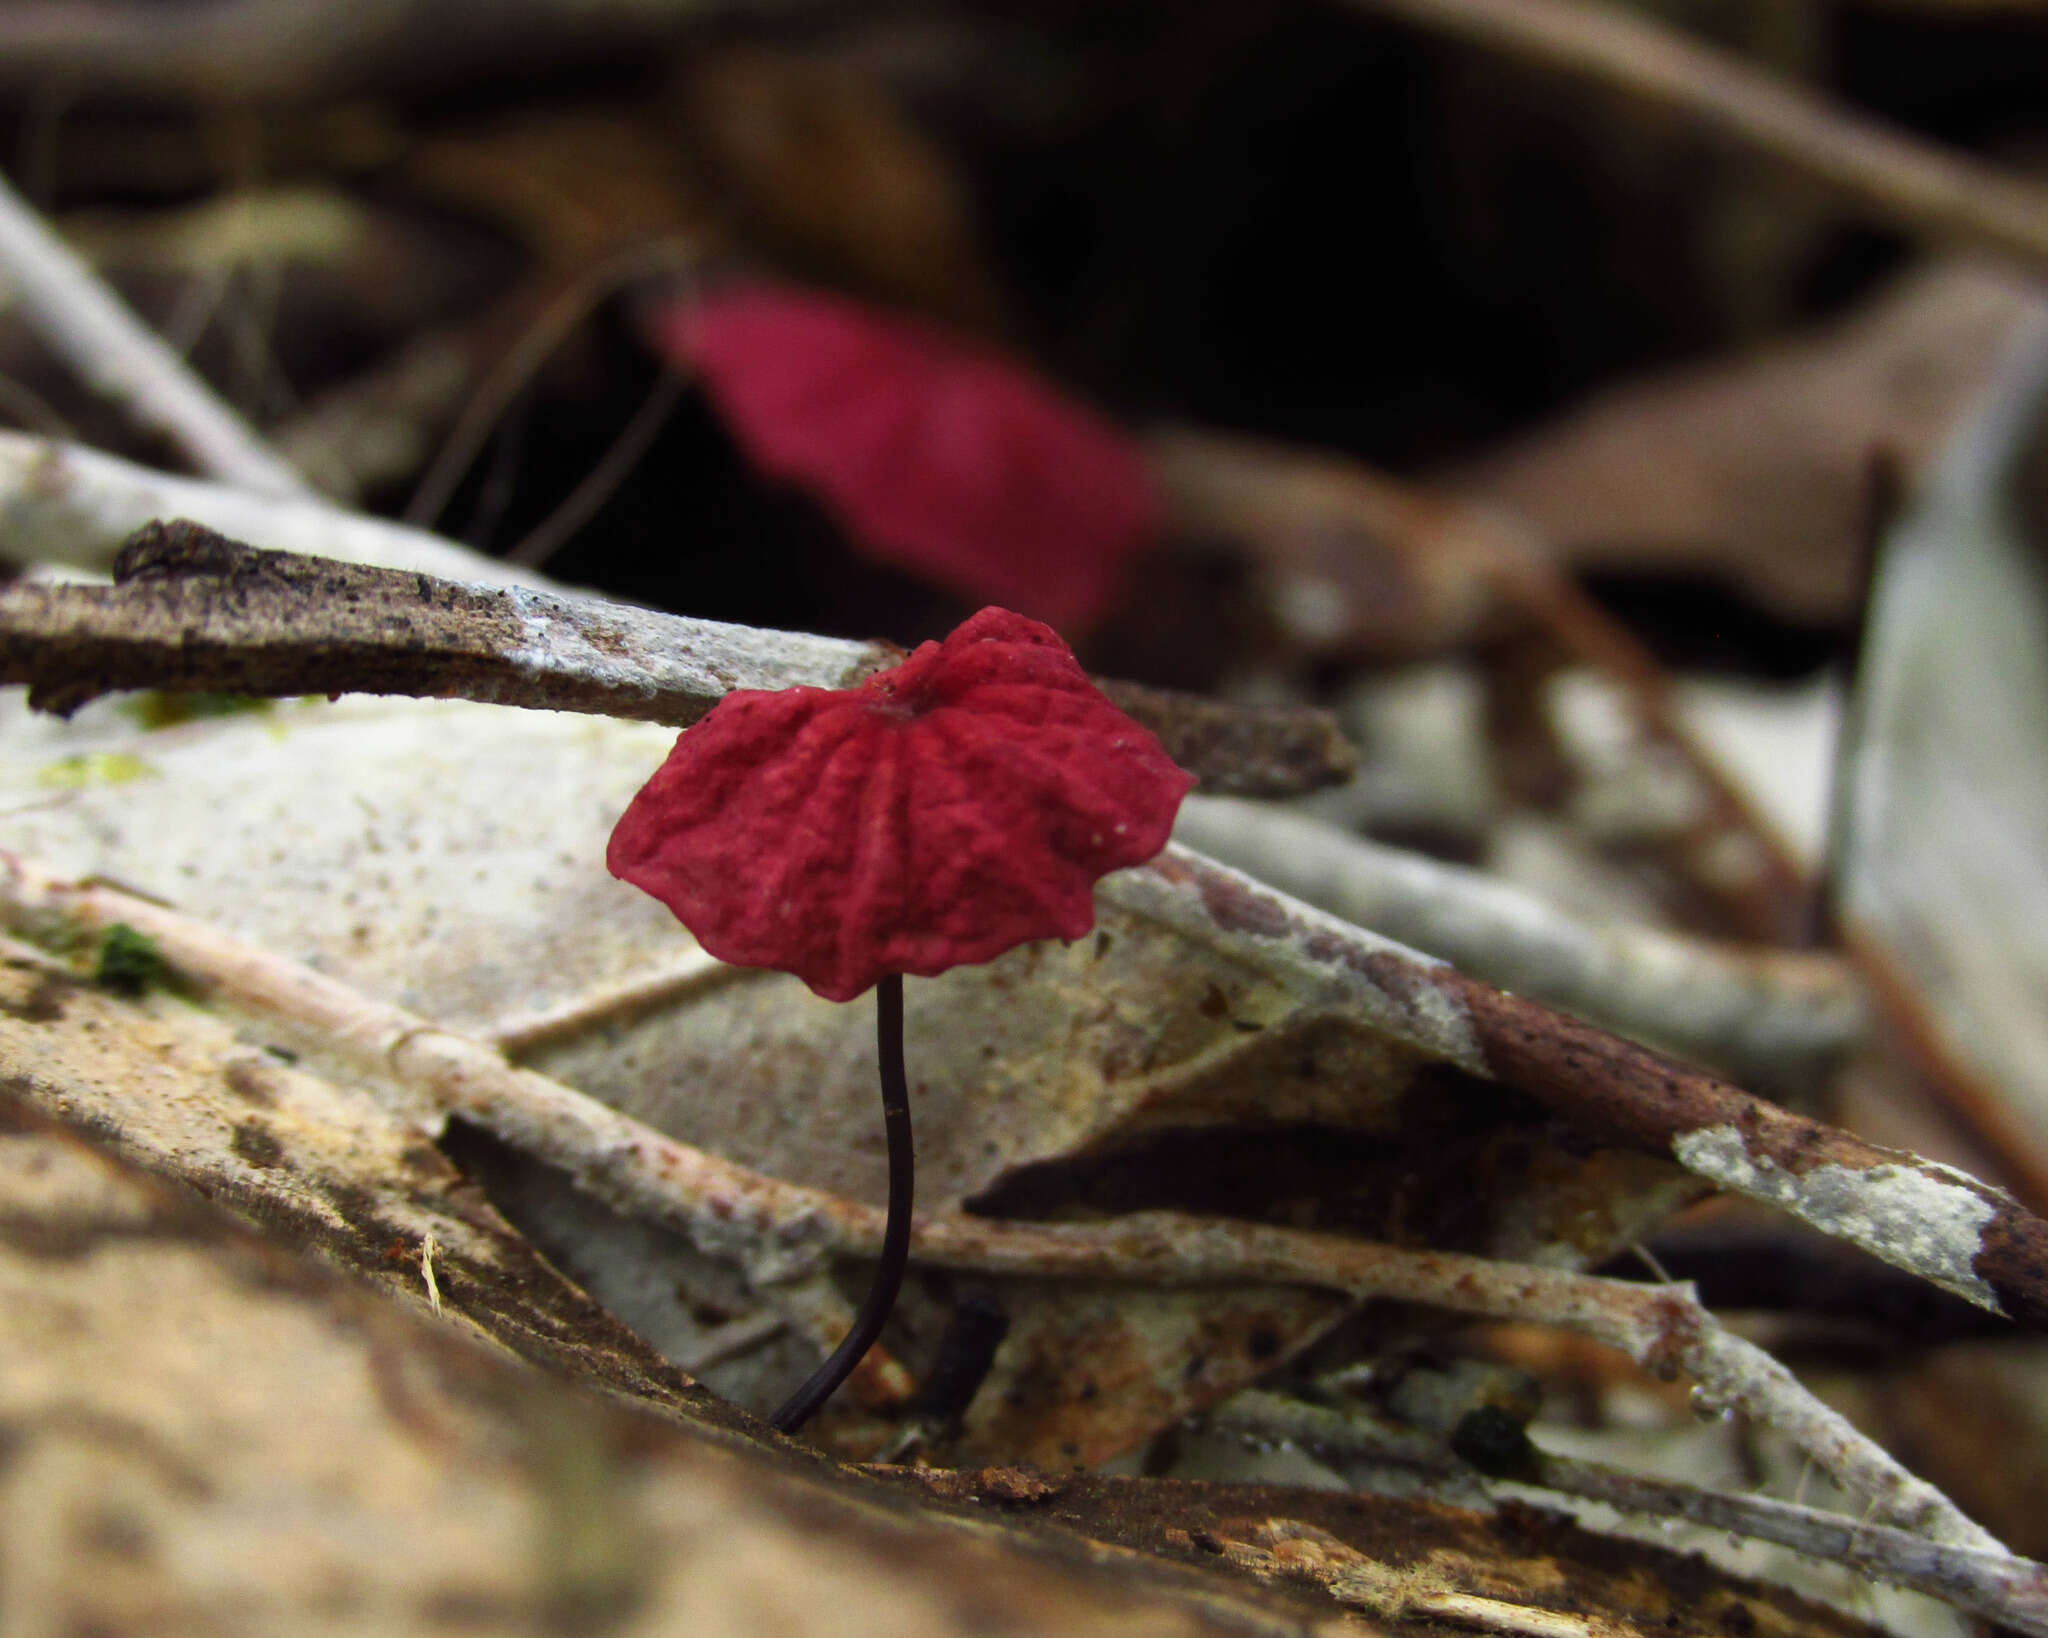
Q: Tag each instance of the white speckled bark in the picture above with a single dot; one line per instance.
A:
(1318, 956)
(1924, 1218)
(644, 653)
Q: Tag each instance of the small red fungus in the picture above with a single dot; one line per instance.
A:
(950, 462)
(944, 811)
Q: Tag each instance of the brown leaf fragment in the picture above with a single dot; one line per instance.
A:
(1351, 563)
(814, 163)
(1755, 469)
(1240, 750)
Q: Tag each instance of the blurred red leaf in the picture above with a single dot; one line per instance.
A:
(950, 462)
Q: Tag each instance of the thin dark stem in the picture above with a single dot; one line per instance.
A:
(867, 1324)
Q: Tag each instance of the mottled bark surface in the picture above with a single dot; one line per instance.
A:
(194, 611)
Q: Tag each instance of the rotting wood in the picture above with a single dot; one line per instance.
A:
(311, 1446)
(1325, 1541)
(194, 611)
(2006, 1589)
(348, 1179)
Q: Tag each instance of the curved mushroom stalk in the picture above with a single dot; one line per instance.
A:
(946, 810)
(802, 1405)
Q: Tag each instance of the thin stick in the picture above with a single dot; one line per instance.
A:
(1756, 1010)
(521, 1033)
(121, 359)
(2010, 1590)
(881, 1299)
(577, 508)
(570, 308)
(197, 611)
(1892, 176)
(72, 504)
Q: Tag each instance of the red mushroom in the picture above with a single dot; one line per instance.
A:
(935, 456)
(944, 811)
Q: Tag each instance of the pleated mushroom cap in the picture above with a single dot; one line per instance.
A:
(944, 811)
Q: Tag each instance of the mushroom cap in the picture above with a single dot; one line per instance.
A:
(942, 459)
(944, 811)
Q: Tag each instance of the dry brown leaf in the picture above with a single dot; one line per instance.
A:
(1756, 469)
(1350, 563)
(819, 168)
(576, 184)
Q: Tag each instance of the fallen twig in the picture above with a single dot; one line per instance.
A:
(660, 986)
(780, 1232)
(70, 504)
(195, 611)
(2006, 1588)
(123, 360)
(1891, 176)
(281, 52)
(1940, 1224)
(1767, 1012)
